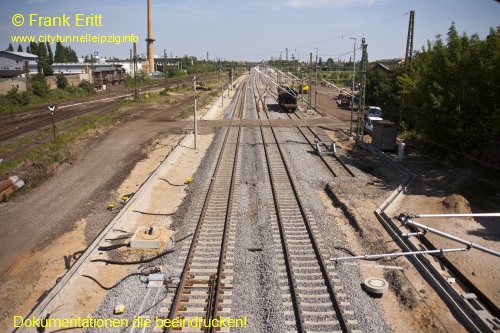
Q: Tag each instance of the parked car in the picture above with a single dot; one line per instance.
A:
(373, 111)
(369, 123)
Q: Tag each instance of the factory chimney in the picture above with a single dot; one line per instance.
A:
(150, 39)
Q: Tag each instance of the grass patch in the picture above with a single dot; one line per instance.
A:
(36, 166)
(15, 101)
(186, 113)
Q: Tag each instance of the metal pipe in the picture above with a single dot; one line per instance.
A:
(378, 256)
(413, 234)
(443, 234)
(374, 266)
(457, 215)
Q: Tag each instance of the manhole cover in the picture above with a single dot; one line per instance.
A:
(376, 285)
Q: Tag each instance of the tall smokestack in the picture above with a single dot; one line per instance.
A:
(150, 39)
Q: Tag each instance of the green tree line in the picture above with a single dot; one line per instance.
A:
(451, 98)
(39, 92)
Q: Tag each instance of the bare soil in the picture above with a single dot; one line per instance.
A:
(67, 212)
(411, 305)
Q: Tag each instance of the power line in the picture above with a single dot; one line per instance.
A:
(352, 32)
(416, 118)
(321, 42)
(452, 117)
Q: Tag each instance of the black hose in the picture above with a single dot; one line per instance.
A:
(113, 262)
(118, 238)
(123, 231)
(117, 283)
(156, 214)
(111, 247)
(67, 261)
(78, 253)
(171, 183)
(346, 250)
(183, 238)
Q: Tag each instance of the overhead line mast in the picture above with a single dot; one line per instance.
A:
(362, 94)
(408, 57)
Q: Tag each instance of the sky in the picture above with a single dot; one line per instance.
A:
(247, 30)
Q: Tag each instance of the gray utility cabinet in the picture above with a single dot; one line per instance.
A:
(384, 135)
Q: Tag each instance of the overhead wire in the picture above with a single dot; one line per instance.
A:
(416, 118)
(320, 42)
(457, 152)
(352, 32)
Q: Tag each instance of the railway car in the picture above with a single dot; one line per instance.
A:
(287, 98)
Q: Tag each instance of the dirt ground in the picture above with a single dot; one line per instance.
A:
(120, 158)
(40, 227)
(411, 304)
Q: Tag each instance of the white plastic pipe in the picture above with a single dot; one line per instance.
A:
(456, 239)
(378, 256)
(457, 215)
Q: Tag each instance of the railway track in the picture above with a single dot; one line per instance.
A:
(207, 272)
(312, 298)
(202, 291)
(24, 148)
(476, 311)
(26, 121)
(312, 302)
(476, 317)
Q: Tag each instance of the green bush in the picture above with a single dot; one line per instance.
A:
(39, 86)
(61, 81)
(87, 87)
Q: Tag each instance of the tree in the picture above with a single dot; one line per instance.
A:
(71, 55)
(452, 99)
(43, 62)
(50, 54)
(10, 48)
(329, 63)
(33, 48)
(59, 55)
(19, 48)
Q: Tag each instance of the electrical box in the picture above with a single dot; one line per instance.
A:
(385, 135)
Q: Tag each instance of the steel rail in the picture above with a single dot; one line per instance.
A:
(299, 319)
(216, 285)
(322, 264)
(218, 281)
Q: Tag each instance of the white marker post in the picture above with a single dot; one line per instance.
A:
(52, 108)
